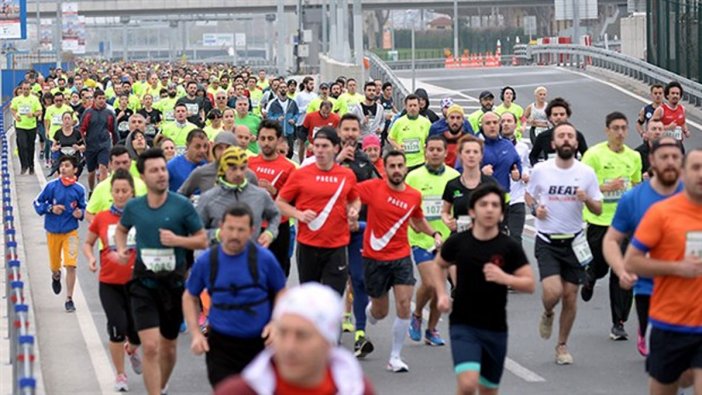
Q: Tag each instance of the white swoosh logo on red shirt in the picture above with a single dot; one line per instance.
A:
(378, 244)
(276, 178)
(318, 222)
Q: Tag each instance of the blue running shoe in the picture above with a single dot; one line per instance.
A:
(432, 338)
(415, 328)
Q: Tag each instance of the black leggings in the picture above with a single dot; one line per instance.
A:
(643, 302)
(120, 324)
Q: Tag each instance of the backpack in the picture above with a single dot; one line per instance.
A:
(252, 260)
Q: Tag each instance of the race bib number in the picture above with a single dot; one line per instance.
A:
(195, 199)
(551, 156)
(56, 120)
(131, 237)
(168, 115)
(150, 130)
(675, 133)
(411, 146)
(193, 108)
(24, 109)
(314, 131)
(156, 98)
(463, 223)
(254, 103)
(582, 249)
(432, 208)
(614, 196)
(123, 126)
(159, 259)
(180, 150)
(693, 244)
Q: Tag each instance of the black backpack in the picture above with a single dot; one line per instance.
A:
(252, 260)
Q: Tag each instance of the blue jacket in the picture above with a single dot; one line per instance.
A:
(440, 126)
(71, 197)
(501, 154)
(275, 111)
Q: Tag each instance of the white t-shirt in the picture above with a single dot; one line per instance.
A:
(555, 188)
(517, 188)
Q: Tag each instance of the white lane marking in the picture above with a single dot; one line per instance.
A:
(98, 355)
(435, 90)
(483, 75)
(579, 80)
(626, 92)
(522, 372)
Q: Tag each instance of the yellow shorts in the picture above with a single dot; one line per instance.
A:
(62, 245)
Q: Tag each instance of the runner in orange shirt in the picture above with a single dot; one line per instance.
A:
(386, 250)
(667, 246)
(325, 201)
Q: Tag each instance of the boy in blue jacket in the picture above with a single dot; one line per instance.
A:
(62, 203)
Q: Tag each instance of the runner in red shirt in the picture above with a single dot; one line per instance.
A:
(325, 201)
(313, 122)
(392, 206)
(114, 277)
(672, 113)
(272, 171)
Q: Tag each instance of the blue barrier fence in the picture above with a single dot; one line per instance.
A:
(22, 342)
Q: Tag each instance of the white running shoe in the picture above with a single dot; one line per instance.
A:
(396, 365)
(121, 383)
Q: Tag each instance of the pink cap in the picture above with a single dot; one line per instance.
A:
(370, 140)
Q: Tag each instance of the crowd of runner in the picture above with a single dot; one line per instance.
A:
(203, 181)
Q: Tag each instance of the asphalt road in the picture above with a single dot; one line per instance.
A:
(73, 352)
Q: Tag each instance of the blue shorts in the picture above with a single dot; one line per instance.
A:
(479, 350)
(97, 157)
(420, 255)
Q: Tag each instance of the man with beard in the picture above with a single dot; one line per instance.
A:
(237, 320)
(194, 104)
(167, 226)
(452, 128)
(369, 111)
(273, 170)
(617, 167)
(672, 113)
(167, 105)
(666, 163)
(386, 249)
(195, 155)
(558, 111)
(666, 247)
(558, 191)
(487, 100)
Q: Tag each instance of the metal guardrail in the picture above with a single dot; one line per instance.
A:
(22, 342)
(380, 70)
(583, 56)
(437, 63)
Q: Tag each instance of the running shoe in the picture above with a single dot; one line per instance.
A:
(432, 338)
(362, 346)
(121, 383)
(618, 332)
(563, 357)
(134, 358)
(546, 325)
(641, 344)
(396, 365)
(586, 292)
(415, 328)
(70, 307)
(56, 282)
(347, 325)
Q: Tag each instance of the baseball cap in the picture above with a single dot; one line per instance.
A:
(446, 102)
(328, 132)
(486, 94)
(323, 85)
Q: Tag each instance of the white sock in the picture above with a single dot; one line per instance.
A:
(399, 331)
(369, 317)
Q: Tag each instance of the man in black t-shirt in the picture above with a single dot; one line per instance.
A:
(487, 263)
(194, 104)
